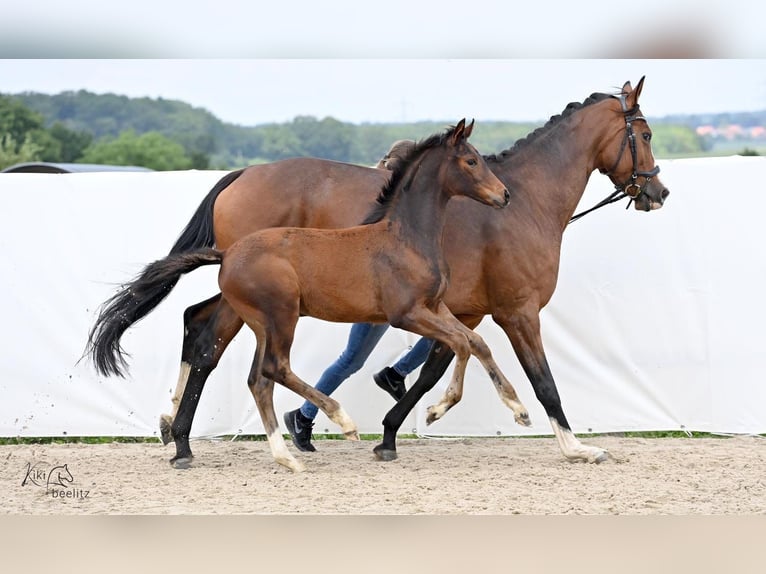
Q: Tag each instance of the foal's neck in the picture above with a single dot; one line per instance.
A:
(420, 211)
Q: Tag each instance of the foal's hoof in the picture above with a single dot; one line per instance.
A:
(182, 463)
(166, 433)
(523, 419)
(351, 435)
(384, 454)
(603, 457)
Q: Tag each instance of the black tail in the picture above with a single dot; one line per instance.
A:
(199, 231)
(134, 301)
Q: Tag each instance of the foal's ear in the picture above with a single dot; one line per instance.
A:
(633, 95)
(468, 130)
(458, 133)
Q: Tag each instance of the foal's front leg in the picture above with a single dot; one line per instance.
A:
(503, 386)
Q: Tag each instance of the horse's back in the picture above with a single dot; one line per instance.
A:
(298, 192)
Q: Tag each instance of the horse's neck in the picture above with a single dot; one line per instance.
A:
(551, 173)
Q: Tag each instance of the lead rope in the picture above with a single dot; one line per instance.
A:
(616, 195)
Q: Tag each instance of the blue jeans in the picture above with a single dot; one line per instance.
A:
(362, 339)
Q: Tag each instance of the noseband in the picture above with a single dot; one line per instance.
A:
(630, 188)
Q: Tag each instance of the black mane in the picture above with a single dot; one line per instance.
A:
(553, 121)
(390, 190)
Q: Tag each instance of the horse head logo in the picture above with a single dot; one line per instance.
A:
(60, 476)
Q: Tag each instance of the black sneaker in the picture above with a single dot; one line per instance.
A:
(391, 382)
(299, 428)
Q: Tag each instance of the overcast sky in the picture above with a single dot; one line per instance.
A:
(251, 92)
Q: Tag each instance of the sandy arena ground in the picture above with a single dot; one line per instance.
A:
(500, 476)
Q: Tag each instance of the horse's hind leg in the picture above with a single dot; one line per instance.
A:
(523, 330)
(209, 328)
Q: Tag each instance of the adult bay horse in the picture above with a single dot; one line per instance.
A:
(390, 269)
(511, 272)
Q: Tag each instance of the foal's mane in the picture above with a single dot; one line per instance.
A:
(549, 125)
(395, 182)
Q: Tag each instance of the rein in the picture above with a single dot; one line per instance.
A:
(622, 191)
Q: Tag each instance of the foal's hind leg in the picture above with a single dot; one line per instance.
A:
(278, 326)
(262, 389)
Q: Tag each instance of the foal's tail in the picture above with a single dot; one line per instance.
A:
(134, 301)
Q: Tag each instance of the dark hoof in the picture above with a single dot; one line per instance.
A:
(166, 434)
(182, 463)
(384, 454)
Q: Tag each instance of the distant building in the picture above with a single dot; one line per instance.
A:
(46, 167)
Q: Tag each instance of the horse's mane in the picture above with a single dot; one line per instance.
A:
(390, 190)
(548, 126)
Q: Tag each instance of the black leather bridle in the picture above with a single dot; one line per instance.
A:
(629, 141)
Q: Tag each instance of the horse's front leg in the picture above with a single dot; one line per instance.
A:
(523, 330)
(432, 370)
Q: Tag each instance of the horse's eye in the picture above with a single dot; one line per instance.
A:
(472, 162)
(647, 136)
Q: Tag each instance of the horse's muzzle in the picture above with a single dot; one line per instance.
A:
(649, 202)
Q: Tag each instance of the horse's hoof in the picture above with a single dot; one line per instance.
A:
(166, 432)
(430, 418)
(352, 435)
(384, 454)
(182, 463)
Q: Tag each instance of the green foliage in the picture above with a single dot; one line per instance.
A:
(674, 140)
(151, 149)
(12, 153)
(62, 127)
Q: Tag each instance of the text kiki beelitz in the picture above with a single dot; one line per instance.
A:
(57, 481)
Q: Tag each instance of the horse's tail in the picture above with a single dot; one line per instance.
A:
(134, 301)
(199, 231)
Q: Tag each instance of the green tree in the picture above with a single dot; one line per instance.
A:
(71, 144)
(12, 153)
(17, 120)
(152, 150)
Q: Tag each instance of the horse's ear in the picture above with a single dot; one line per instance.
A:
(633, 95)
(468, 130)
(458, 133)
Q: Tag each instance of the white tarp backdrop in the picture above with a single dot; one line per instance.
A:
(657, 322)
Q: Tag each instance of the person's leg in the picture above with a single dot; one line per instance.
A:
(414, 357)
(391, 379)
(362, 339)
